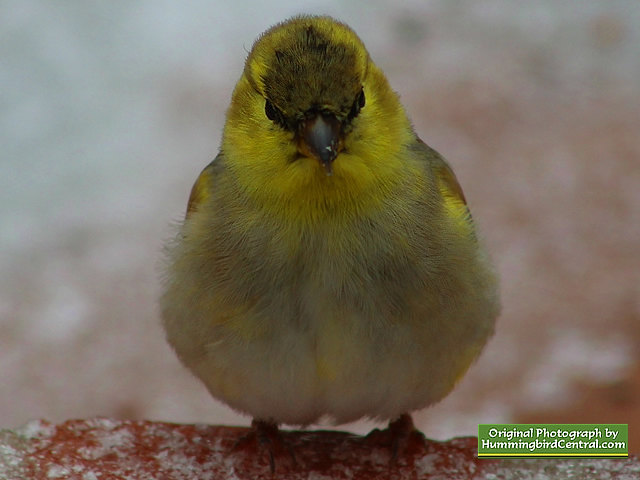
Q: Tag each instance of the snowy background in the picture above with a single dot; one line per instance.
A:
(109, 110)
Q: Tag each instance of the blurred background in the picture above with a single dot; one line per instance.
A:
(109, 110)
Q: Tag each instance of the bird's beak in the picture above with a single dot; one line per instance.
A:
(319, 137)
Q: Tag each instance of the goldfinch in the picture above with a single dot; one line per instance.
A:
(328, 267)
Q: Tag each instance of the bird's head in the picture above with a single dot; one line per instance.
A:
(311, 73)
(310, 104)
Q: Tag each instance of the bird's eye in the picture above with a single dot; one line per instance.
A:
(273, 114)
(361, 99)
(270, 111)
(357, 105)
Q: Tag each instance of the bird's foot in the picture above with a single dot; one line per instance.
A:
(265, 439)
(401, 437)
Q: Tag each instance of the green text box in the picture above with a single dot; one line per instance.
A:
(553, 440)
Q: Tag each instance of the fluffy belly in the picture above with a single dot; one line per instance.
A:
(340, 369)
(295, 336)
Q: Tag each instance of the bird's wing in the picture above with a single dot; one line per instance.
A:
(201, 189)
(453, 197)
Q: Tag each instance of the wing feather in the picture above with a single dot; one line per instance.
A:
(201, 189)
(453, 197)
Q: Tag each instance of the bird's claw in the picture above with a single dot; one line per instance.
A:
(266, 439)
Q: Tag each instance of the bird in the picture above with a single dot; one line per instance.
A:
(328, 267)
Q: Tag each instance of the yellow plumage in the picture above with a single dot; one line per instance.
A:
(328, 266)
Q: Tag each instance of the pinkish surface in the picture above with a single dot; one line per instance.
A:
(108, 449)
